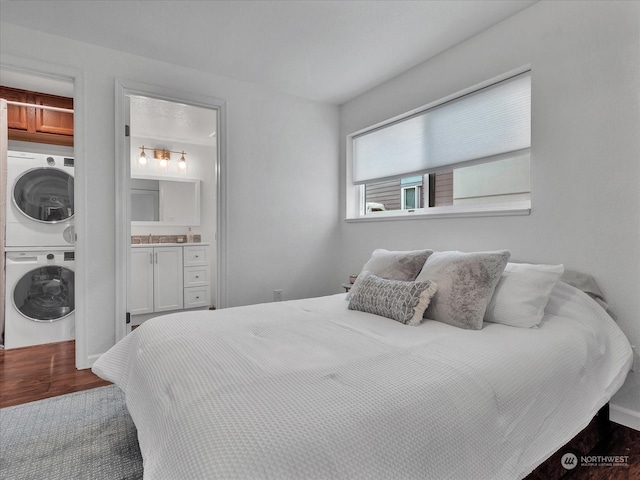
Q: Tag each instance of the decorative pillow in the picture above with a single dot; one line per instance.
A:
(396, 299)
(465, 284)
(393, 265)
(522, 293)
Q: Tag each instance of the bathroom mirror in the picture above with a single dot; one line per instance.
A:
(163, 201)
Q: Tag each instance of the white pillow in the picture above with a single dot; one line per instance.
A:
(522, 293)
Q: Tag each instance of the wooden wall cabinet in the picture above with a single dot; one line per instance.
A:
(30, 124)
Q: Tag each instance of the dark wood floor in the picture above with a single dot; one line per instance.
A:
(34, 373)
(621, 441)
(42, 371)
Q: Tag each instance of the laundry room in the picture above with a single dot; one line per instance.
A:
(37, 304)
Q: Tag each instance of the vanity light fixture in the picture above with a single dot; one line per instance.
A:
(163, 156)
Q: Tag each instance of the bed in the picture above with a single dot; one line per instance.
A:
(311, 389)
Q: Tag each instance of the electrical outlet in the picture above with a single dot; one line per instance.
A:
(277, 295)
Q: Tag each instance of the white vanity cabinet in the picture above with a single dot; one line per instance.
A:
(156, 280)
(166, 278)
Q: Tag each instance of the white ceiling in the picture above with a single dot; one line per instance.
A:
(160, 119)
(325, 50)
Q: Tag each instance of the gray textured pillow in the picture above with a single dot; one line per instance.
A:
(393, 265)
(465, 285)
(396, 299)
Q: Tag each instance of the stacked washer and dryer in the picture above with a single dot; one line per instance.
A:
(40, 254)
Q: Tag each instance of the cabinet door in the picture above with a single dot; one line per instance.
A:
(16, 116)
(168, 290)
(141, 286)
(51, 121)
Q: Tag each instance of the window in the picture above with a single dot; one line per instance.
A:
(467, 153)
(410, 198)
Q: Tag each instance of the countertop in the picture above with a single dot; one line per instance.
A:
(192, 244)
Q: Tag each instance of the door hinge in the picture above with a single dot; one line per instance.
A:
(126, 130)
(128, 318)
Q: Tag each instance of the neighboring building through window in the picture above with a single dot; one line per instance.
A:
(412, 189)
(470, 151)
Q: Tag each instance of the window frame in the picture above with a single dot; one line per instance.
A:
(355, 194)
(417, 197)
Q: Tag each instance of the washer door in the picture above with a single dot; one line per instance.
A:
(45, 194)
(45, 294)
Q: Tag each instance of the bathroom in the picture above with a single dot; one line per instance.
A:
(173, 150)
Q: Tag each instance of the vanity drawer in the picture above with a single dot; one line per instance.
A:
(196, 276)
(196, 255)
(197, 297)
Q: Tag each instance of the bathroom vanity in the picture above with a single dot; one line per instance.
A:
(167, 277)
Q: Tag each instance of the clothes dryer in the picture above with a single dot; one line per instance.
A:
(40, 201)
(40, 297)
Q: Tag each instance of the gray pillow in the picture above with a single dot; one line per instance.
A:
(466, 282)
(393, 265)
(401, 301)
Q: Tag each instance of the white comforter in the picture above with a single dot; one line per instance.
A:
(308, 389)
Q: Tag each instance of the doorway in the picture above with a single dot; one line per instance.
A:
(170, 168)
(38, 215)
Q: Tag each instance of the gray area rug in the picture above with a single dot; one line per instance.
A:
(83, 435)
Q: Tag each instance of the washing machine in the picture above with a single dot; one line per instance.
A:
(40, 203)
(40, 297)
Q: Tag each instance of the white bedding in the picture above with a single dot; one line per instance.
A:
(308, 389)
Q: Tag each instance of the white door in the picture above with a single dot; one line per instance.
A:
(140, 296)
(168, 289)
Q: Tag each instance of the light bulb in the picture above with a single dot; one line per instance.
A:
(182, 163)
(163, 163)
(142, 160)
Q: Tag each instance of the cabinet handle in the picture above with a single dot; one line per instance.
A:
(197, 298)
(197, 256)
(197, 276)
(156, 254)
(151, 258)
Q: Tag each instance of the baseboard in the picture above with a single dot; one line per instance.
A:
(625, 407)
(91, 359)
(625, 416)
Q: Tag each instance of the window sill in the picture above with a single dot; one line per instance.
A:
(516, 208)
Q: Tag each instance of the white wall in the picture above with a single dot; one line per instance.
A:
(282, 176)
(585, 168)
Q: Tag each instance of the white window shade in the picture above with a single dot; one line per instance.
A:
(492, 121)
